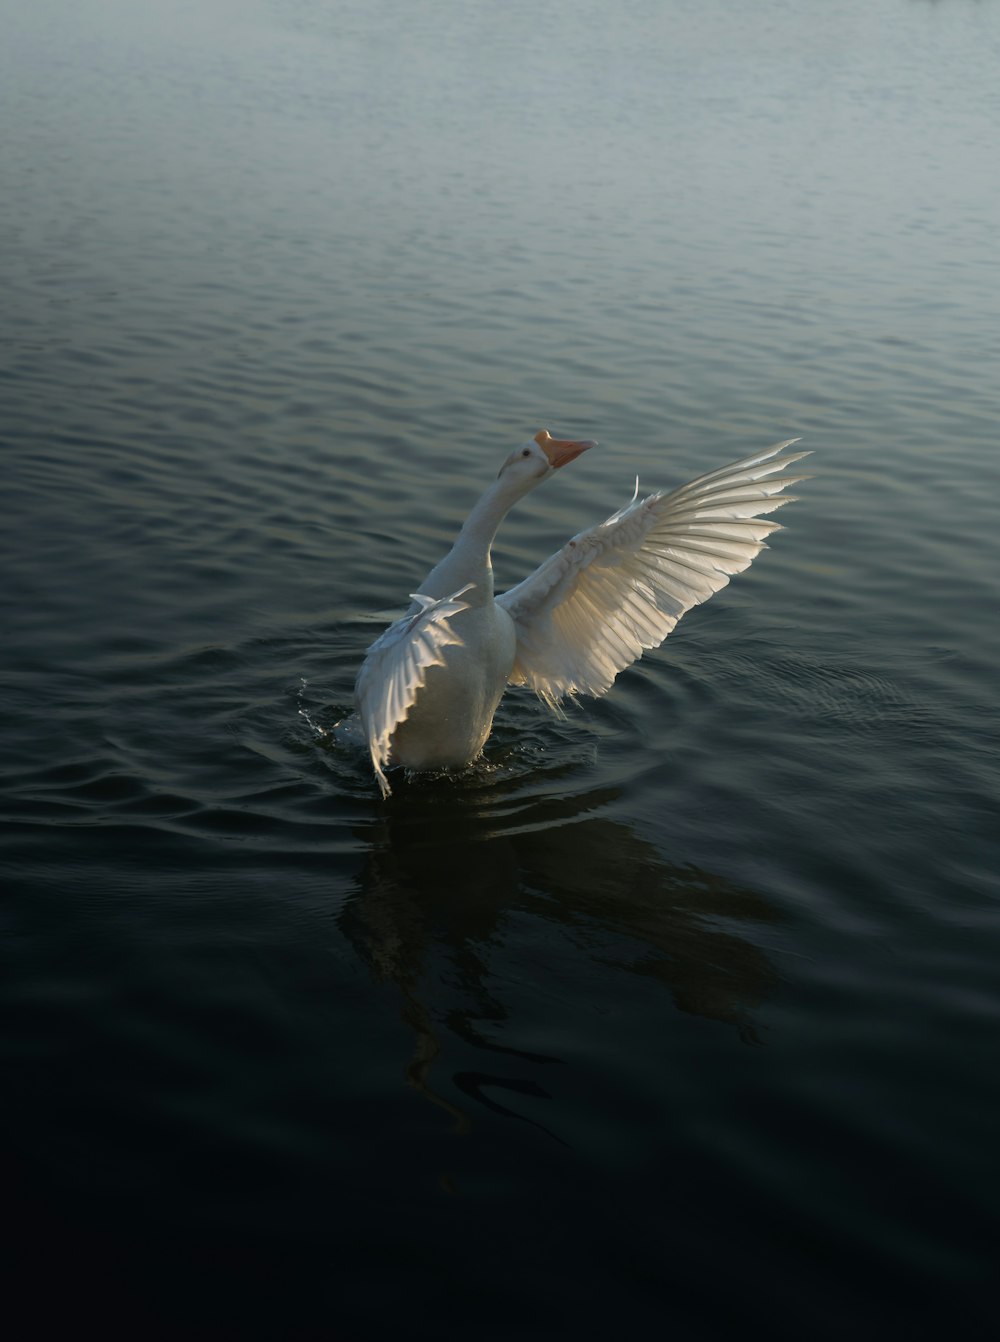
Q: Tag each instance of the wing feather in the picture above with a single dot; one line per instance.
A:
(395, 669)
(618, 589)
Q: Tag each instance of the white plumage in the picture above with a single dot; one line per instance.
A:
(429, 687)
(396, 667)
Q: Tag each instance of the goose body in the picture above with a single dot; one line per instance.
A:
(450, 720)
(429, 687)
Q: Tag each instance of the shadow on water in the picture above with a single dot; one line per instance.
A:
(440, 884)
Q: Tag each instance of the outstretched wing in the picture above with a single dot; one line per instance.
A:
(395, 669)
(615, 590)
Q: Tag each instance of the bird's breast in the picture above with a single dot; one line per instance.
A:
(452, 715)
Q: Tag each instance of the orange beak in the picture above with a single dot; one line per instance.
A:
(561, 451)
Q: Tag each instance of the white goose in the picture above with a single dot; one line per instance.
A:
(429, 687)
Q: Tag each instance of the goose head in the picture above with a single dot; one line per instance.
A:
(529, 464)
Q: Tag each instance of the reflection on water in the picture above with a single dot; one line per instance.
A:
(447, 885)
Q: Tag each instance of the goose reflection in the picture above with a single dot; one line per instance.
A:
(444, 884)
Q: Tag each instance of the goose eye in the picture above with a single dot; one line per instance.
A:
(526, 452)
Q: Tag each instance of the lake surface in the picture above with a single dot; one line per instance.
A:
(678, 1015)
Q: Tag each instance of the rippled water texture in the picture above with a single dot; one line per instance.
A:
(677, 1015)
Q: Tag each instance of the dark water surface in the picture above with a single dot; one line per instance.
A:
(678, 1016)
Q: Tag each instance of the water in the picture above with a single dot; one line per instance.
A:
(680, 1013)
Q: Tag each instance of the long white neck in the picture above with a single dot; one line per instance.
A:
(469, 558)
